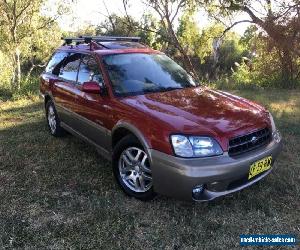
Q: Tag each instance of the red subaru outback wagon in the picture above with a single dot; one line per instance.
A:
(163, 132)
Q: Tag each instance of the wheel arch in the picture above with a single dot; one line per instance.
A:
(47, 98)
(122, 129)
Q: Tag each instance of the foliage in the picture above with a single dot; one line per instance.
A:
(216, 54)
(242, 75)
(149, 32)
(29, 88)
(249, 38)
(280, 21)
(146, 28)
(6, 69)
(266, 65)
(262, 70)
(231, 53)
(24, 35)
(188, 34)
(266, 55)
(115, 25)
(263, 64)
(19, 19)
(168, 11)
(208, 36)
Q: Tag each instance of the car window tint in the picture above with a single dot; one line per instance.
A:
(55, 61)
(70, 67)
(89, 70)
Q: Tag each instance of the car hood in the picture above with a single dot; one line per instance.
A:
(202, 111)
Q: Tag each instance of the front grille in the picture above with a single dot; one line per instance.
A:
(245, 143)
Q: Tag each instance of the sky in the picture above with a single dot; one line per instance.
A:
(95, 11)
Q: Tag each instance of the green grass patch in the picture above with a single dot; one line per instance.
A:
(60, 194)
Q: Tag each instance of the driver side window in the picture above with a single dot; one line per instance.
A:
(89, 71)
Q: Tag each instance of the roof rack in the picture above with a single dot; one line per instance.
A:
(112, 38)
(69, 40)
(98, 39)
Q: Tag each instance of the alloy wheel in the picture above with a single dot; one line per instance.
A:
(134, 169)
(51, 119)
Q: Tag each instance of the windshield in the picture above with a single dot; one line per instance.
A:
(137, 73)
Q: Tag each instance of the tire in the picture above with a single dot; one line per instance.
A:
(53, 120)
(131, 168)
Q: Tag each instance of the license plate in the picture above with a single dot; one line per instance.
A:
(260, 166)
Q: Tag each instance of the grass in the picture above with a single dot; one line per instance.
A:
(58, 193)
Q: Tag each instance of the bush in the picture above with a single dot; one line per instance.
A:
(256, 74)
(29, 88)
(6, 70)
(242, 76)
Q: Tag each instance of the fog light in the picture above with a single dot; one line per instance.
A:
(197, 191)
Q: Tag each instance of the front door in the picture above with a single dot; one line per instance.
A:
(92, 110)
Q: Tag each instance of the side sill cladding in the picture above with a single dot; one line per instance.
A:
(104, 153)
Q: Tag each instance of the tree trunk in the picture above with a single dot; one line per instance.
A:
(287, 66)
(282, 41)
(18, 70)
(33, 66)
(16, 79)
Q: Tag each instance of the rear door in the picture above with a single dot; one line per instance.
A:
(64, 87)
(50, 74)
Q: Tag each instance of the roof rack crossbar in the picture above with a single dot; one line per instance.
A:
(98, 39)
(112, 38)
(101, 38)
(69, 40)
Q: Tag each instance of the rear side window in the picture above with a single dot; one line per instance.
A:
(89, 70)
(55, 61)
(70, 66)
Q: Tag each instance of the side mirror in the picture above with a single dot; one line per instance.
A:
(91, 87)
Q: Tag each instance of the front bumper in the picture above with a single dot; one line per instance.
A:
(221, 175)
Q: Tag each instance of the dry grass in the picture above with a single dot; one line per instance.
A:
(58, 193)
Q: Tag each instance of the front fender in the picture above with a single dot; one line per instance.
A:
(135, 131)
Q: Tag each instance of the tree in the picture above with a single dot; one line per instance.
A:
(115, 25)
(280, 20)
(231, 52)
(39, 48)
(188, 33)
(148, 30)
(249, 37)
(168, 11)
(20, 20)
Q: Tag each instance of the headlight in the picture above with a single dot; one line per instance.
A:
(195, 146)
(275, 133)
(272, 122)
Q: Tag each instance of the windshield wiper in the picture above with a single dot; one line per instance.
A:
(169, 88)
(160, 89)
